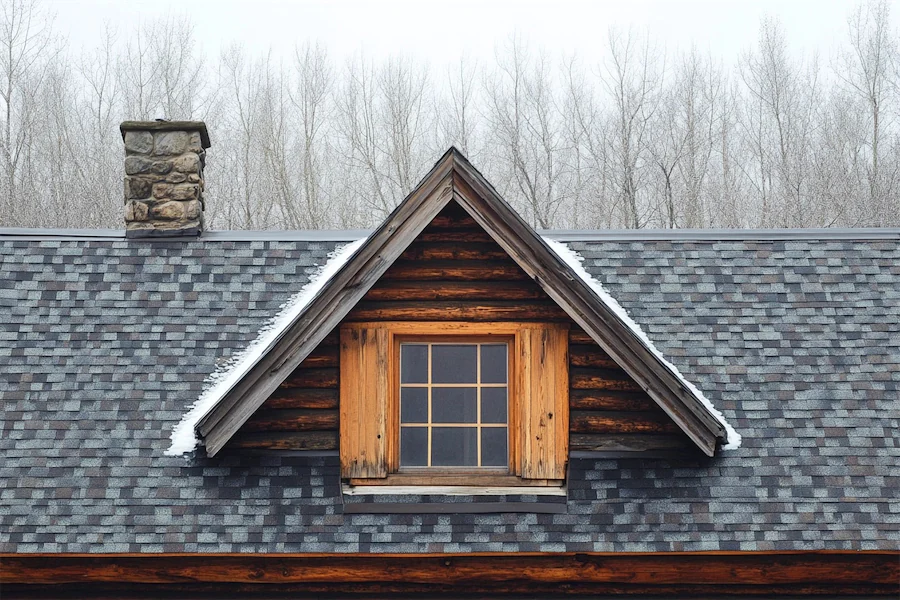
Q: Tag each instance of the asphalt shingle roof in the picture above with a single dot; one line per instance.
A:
(105, 342)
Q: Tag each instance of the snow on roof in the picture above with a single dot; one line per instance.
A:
(574, 260)
(225, 377)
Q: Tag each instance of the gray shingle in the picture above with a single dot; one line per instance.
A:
(104, 343)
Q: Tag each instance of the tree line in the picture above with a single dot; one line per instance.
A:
(644, 138)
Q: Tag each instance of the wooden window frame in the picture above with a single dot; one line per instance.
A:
(509, 332)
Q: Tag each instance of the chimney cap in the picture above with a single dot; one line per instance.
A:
(199, 126)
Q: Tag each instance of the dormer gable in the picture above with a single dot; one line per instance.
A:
(454, 181)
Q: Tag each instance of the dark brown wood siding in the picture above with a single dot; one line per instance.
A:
(454, 271)
(303, 413)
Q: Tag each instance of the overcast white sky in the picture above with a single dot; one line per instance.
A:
(440, 32)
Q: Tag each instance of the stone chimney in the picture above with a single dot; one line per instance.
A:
(164, 177)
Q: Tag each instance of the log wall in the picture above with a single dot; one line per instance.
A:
(454, 271)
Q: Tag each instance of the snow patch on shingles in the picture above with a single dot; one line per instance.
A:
(574, 260)
(225, 377)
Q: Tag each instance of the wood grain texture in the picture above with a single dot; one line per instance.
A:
(611, 400)
(312, 378)
(455, 290)
(302, 398)
(292, 419)
(591, 355)
(364, 410)
(688, 574)
(286, 440)
(454, 250)
(453, 270)
(630, 442)
(459, 310)
(543, 388)
(621, 422)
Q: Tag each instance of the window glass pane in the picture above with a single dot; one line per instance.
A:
(454, 447)
(493, 447)
(493, 405)
(493, 363)
(414, 405)
(454, 405)
(413, 446)
(413, 363)
(453, 363)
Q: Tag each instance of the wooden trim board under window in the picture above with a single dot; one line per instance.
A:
(538, 400)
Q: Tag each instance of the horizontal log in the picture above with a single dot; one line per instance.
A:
(583, 355)
(292, 419)
(577, 335)
(687, 573)
(611, 400)
(285, 440)
(323, 357)
(453, 220)
(454, 251)
(312, 378)
(457, 311)
(467, 236)
(455, 290)
(620, 422)
(635, 442)
(303, 398)
(602, 379)
(516, 589)
(455, 270)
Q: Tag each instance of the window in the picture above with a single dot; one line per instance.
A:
(454, 403)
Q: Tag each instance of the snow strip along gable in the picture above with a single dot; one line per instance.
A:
(574, 260)
(223, 379)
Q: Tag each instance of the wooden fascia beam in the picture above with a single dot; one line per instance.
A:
(798, 573)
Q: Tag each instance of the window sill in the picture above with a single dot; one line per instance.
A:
(453, 490)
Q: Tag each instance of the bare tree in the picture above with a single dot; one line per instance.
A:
(457, 109)
(27, 46)
(631, 78)
(781, 121)
(312, 100)
(630, 142)
(526, 126)
(867, 71)
(382, 125)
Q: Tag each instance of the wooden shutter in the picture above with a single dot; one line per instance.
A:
(543, 388)
(364, 401)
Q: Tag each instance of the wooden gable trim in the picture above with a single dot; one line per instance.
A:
(454, 178)
(670, 574)
(536, 258)
(329, 307)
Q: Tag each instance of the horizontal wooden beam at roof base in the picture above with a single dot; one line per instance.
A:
(379, 260)
(682, 574)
